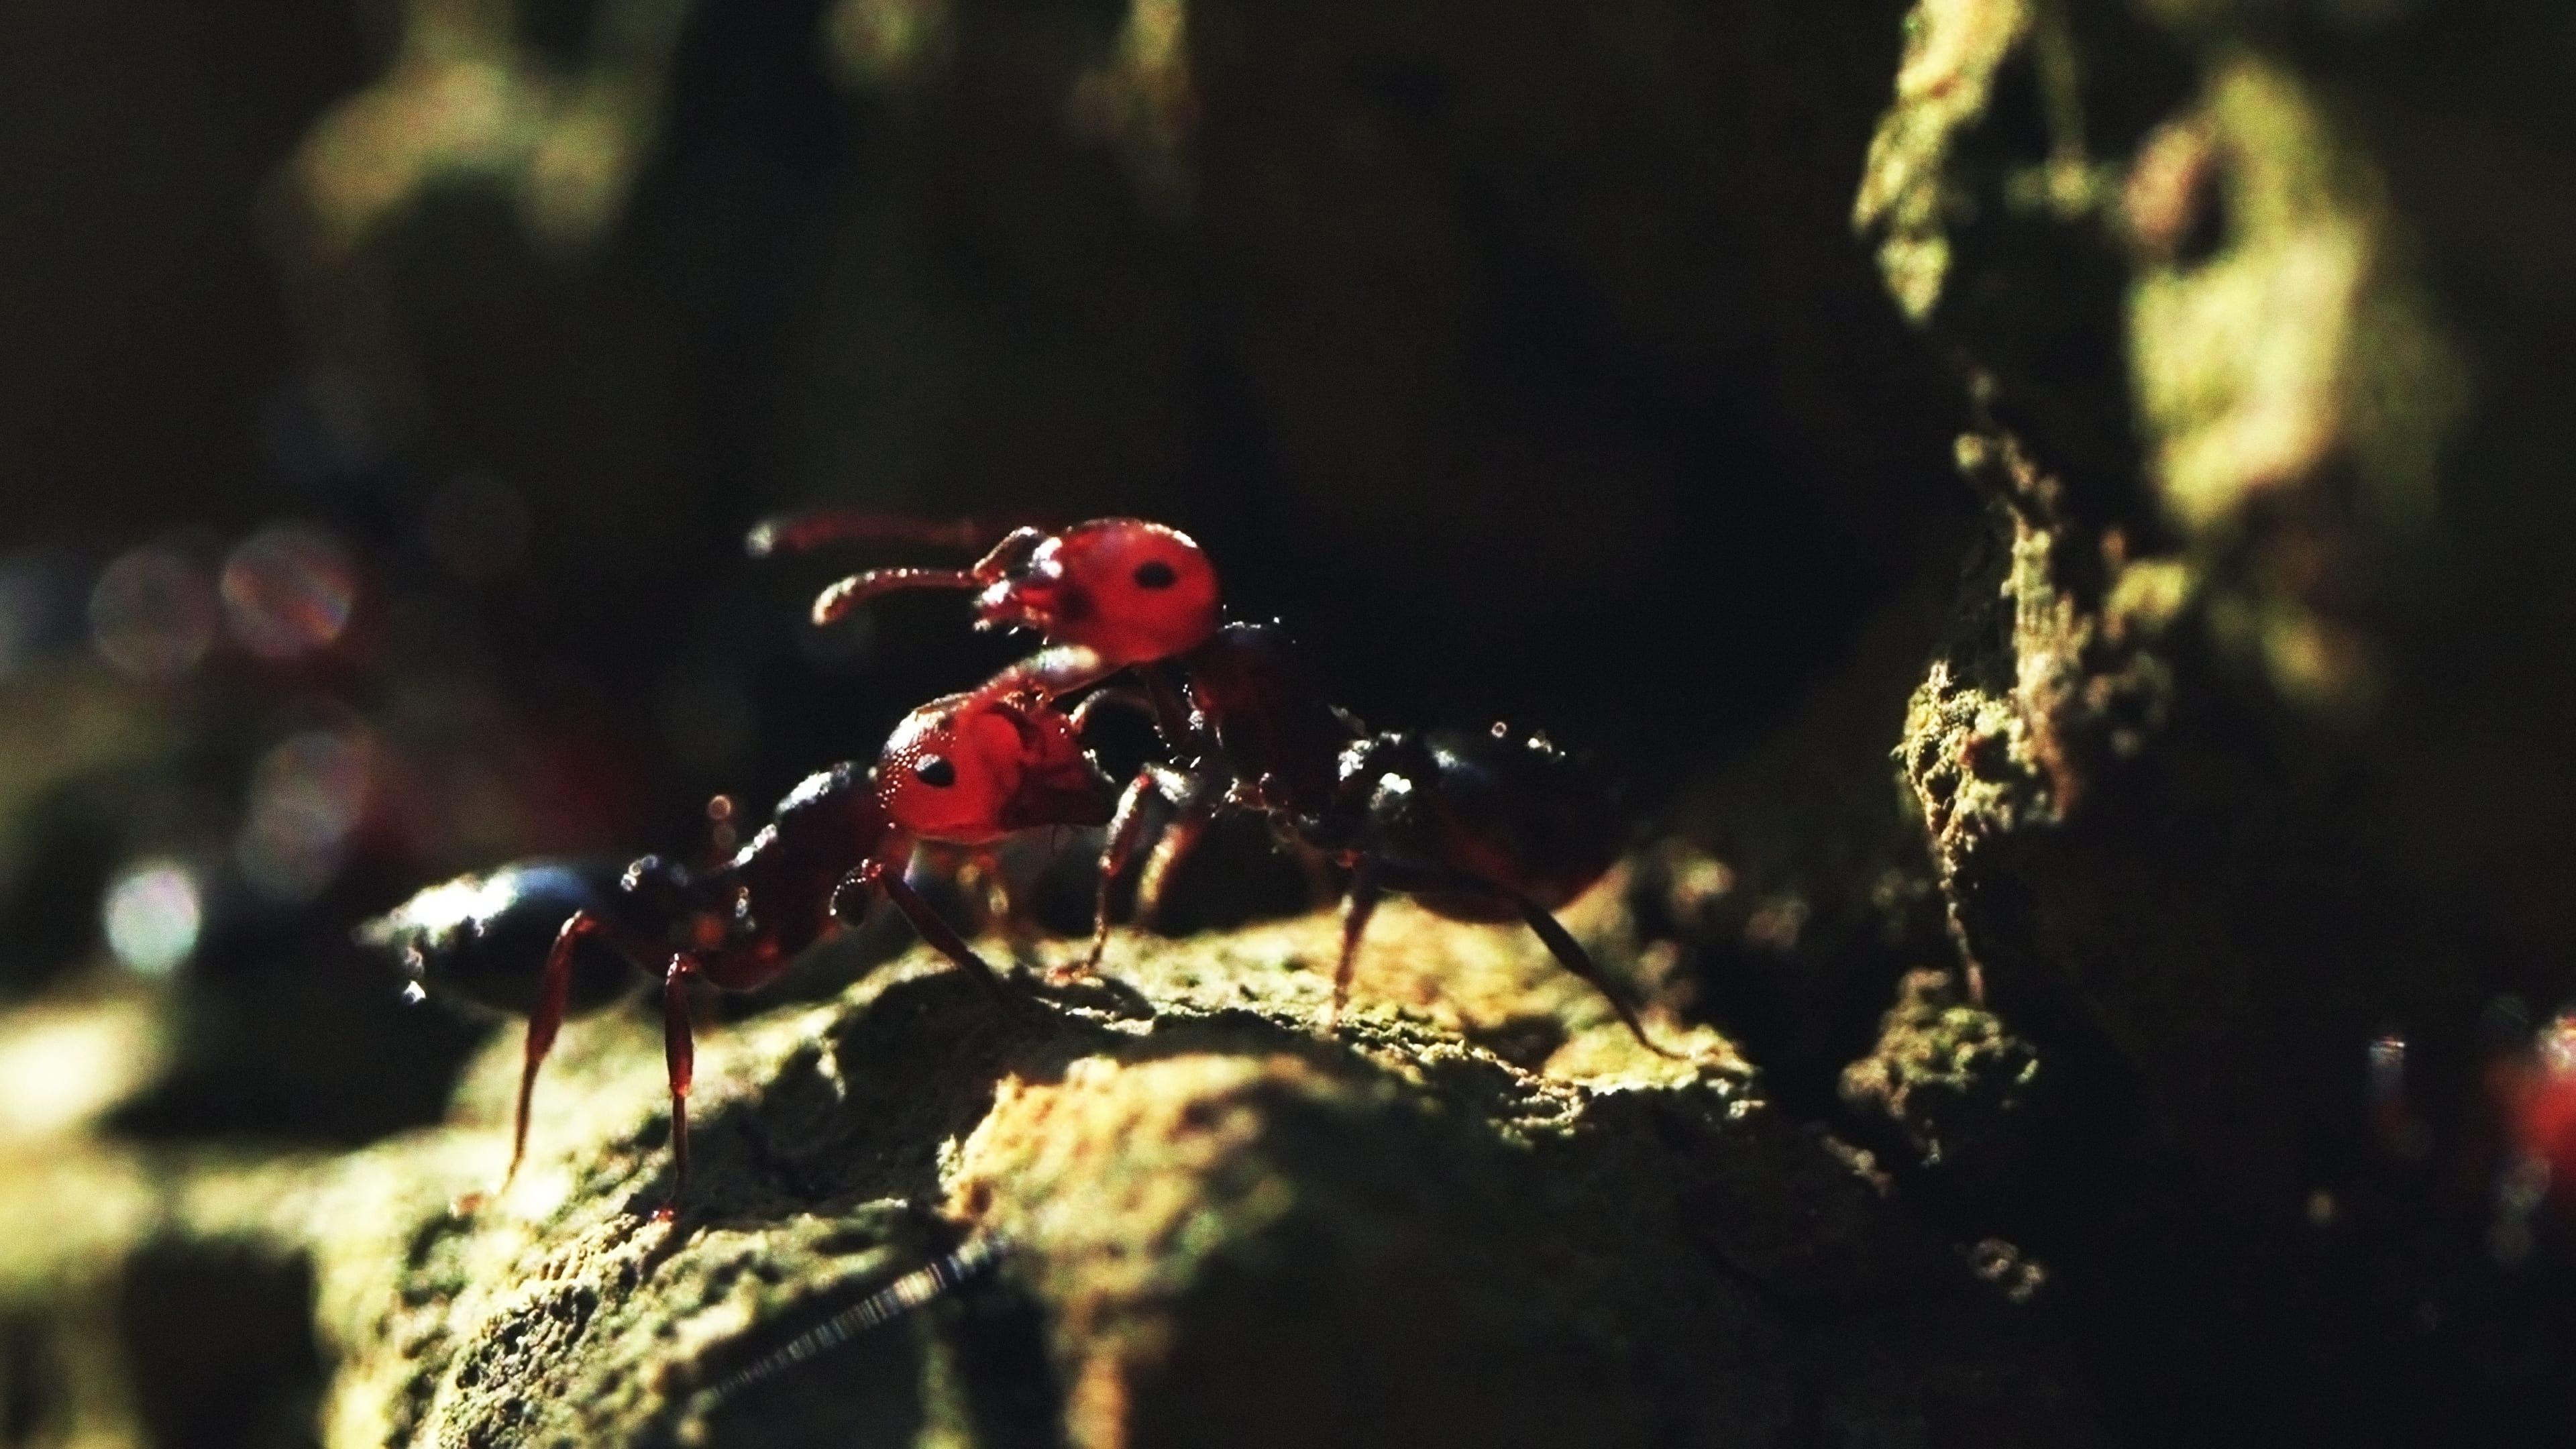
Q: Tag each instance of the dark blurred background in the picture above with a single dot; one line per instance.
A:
(387, 386)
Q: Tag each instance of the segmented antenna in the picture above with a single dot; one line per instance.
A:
(921, 1286)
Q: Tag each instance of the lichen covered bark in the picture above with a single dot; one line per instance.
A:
(2210, 765)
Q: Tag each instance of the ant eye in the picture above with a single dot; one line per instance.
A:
(1155, 574)
(936, 772)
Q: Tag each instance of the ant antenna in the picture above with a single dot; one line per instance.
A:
(916, 1289)
(817, 528)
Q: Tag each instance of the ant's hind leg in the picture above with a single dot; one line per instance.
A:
(1367, 886)
(1570, 954)
(679, 1051)
(1568, 951)
(554, 990)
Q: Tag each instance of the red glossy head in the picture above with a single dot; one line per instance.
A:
(969, 769)
(1129, 590)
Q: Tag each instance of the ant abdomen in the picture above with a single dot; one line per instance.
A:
(1514, 809)
(480, 940)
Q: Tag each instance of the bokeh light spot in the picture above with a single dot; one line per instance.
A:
(288, 590)
(306, 799)
(153, 613)
(153, 912)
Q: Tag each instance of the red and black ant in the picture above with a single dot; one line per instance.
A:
(965, 770)
(1486, 827)
(1476, 826)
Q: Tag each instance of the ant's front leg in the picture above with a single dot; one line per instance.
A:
(1123, 696)
(1051, 673)
(1127, 828)
(877, 875)
(679, 1051)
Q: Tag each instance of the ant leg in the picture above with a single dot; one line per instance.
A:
(1367, 885)
(1568, 951)
(1080, 715)
(877, 875)
(1058, 669)
(554, 988)
(1172, 716)
(1570, 954)
(679, 1051)
(1126, 826)
(1197, 813)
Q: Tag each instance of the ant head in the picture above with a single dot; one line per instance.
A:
(969, 769)
(1129, 590)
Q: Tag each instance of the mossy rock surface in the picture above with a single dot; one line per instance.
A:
(1223, 1225)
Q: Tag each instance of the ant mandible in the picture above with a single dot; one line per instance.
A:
(964, 770)
(1475, 828)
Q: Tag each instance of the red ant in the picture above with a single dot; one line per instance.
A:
(965, 770)
(1476, 828)
(1103, 595)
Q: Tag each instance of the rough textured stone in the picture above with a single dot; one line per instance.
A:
(1222, 1228)
(2227, 697)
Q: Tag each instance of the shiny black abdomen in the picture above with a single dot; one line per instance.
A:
(481, 940)
(1511, 809)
